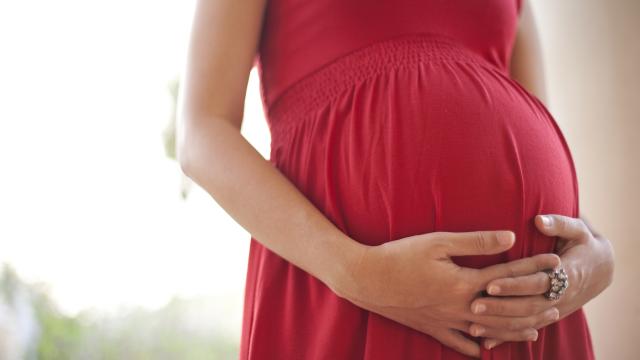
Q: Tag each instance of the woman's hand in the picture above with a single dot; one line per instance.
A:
(414, 282)
(586, 257)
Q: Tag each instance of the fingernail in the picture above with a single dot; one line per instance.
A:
(546, 221)
(478, 330)
(489, 344)
(493, 289)
(533, 336)
(479, 308)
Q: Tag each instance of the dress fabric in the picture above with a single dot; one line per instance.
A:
(397, 118)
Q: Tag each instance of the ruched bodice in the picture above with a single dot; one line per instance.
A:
(300, 36)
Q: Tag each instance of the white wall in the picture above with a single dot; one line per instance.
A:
(592, 59)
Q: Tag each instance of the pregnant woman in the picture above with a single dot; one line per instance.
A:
(400, 215)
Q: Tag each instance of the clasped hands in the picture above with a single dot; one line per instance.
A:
(414, 281)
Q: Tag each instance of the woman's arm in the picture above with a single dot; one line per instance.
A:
(213, 152)
(401, 279)
(526, 59)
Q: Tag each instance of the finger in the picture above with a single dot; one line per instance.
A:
(477, 242)
(517, 322)
(529, 334)
(512, 305)
(452, 324)
(459, 325)
(519, 267)
(532, 284)
(560, 225)
(458, 342)
(490, 343)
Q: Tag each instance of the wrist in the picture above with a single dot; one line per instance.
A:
(609, 260)
(602, 269)
(599, 274)
(343, 280)
(587, 278)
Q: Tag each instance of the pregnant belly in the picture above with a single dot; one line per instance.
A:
(444, 144)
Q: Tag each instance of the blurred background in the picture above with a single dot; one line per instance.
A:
(108, 252)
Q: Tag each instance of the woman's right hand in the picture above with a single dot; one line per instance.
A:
(414, 281)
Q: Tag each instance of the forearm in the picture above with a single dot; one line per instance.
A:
(604, 266)
(263, 201)
(527, 66)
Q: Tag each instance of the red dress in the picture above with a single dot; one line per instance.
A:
(397, 118)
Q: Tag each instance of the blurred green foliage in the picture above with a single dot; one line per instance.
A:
(182, 329)
(61, 335)
(169, 133)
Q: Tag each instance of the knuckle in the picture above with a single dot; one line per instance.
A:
(542, 283)
(582, 227)
(507, 285)
(540, 261)
(542, 306)
(439, 237)
(480, 240)
(529, 322)
(519, 335)
(495, 307)
(545, 261)
(531, 308)
(506, 270)
(462, 287)
(532, 321)
(580, 224)
(519, 288)
(441, 246)
(563, 224)
(556, 258)
(513, 325)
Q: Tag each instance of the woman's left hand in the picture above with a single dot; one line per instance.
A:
(587, 259)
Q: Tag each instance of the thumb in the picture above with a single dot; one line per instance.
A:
(560, 225)
(478, 242)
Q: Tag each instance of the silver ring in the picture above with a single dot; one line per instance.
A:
(559, 283)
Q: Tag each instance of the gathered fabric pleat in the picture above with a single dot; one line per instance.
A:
(410, 135)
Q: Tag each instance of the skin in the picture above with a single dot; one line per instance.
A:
(526, 65)
(398, 279)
